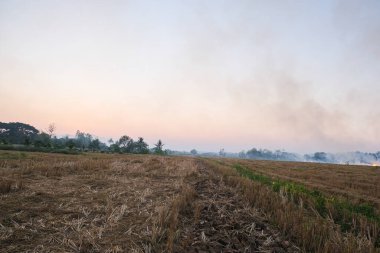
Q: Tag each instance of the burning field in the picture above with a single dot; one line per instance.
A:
(143, 203)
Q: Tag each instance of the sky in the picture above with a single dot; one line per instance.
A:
(302, 76)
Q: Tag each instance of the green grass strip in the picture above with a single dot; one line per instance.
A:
(320, 201)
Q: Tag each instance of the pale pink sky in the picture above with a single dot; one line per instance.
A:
(303, 76)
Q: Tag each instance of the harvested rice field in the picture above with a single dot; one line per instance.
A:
(146, 203)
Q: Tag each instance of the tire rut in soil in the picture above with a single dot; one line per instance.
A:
(221, 221)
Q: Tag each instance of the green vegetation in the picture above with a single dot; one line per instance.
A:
(291, 207)
(23, 137)
(13, 155)
(38, 149)
(341, 210)
(158, 149)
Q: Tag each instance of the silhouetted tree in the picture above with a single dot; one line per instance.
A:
(27, 141)
(194, 152)
(242, 154)
(83, 139)
(126, 144)
(51, 129)
(140, 146)
(70, 144)
(320, 156)
(42, 140)
(158, 148)
(115, 148)
(95, 145)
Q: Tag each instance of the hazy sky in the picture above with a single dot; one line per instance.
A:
(296, 75)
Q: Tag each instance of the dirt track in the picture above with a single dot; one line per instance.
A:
(221, 221)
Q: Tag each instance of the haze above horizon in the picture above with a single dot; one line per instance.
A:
(296, 75)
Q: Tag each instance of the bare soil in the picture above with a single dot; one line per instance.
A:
(222, 221)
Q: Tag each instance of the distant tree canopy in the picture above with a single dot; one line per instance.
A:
(24, 134)
(242, 154)
(158, 149)
(83, 140)
(222, 153)
(42, 140)
(141, 147)
(320, 156)
(194, 152)
(265, 154)
(17, 133)
(127, 145)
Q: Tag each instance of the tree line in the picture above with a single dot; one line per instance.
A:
(21, 134)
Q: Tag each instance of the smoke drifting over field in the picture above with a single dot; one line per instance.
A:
(353, 158)
(301, 75)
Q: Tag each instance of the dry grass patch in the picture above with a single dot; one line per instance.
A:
(353, 181)
(311, 231)
(85, 203)
(147, 203)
